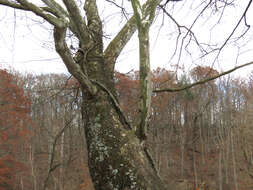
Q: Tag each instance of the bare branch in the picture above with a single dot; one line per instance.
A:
(21, 7)
(94, 21)
(238, 23)
(40, 12)
(201, 81)
(52, 167)
(73, 67)
(138, 13)
(55, 6)
(190, 29)
(144, 16)
(122, 8)
(118, 43)
(243, 17)
(60, 12)
(13, 5)
(77, 20)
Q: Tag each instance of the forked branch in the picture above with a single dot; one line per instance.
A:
(75, 69)
(94, 21)
(118, 43)
(77, 19)
(144, 16)
(40, 12)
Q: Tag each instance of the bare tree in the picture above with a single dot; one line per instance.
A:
(118, 155)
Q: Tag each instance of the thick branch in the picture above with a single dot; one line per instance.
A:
(77, 20)
(201, 81)
(73, 68)
(144, 18)
(40, 12)
(52, 7)
(145, 82)
(118, 43)
(94, 21)
(21, 7)
(144, 14)
(60, 12)
(137, 11)
(115, 47)
(149, 10)
(55, 6)
(12, 4)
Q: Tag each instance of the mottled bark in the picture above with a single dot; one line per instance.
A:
(117, 158)
(118, 43)
(145, 84)
(144, 16)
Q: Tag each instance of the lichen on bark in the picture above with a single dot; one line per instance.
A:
(144, 17)
(117, 159)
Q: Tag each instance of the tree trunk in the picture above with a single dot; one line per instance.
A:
(117, 160)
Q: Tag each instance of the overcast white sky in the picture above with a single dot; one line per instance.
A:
(27, 45)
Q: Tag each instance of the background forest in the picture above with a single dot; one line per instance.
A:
(201, 138)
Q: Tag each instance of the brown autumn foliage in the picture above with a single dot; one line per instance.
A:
(191, 130)
(127, 92)
(15, 121)
(201, 72)
(58, 155)
(200, 138)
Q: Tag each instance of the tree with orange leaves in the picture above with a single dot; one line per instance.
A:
(14, 122)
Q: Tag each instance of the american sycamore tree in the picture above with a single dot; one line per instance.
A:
(119, 158)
